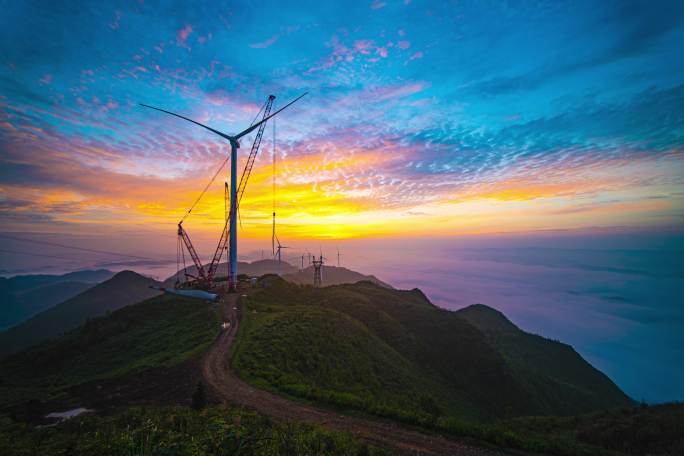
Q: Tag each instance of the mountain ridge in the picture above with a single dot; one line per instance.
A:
(454, 365)
(23, 296)
(133, 356)
(332, 275)
(553, 364)
(124, 288)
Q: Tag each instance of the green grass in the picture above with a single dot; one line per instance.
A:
(393, 354)
(640, 430)
(554, 375)
(177, 431)
(337, 369)
(159, 332)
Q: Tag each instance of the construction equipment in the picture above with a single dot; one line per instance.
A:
(229, 233)
(230, 219)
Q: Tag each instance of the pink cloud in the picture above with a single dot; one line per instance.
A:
(45, 80)
(341, 53)
(363, 46)
(110, 105)
(135, 70)
(378, 4)
(183, 34)
(265, 44)
(404, 44)
(417, 55)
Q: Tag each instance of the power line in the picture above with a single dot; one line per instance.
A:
(55, 244)
(205, 189)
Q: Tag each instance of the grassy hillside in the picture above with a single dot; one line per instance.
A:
(348, 365)
(393, 353)
(555, 376)
(177, 431)
(143, 353)
(639, 430)
(332, 275)
(141, 343)
(123, 289)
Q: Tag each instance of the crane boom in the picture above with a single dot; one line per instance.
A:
(253, 153)
(193, 253)
(246, 172)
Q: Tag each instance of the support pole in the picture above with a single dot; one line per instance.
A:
(232, 279)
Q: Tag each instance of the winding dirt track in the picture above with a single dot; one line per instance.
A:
(228, 388)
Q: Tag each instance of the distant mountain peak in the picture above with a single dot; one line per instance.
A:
(128, 275)
(487, 318)
(125, 288)
(333, 275)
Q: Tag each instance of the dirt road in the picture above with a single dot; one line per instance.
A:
(226, 386)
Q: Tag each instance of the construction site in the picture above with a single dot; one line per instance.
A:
(209, 280)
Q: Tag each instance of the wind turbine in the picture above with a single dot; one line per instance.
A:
(234, 145)
(280, 247)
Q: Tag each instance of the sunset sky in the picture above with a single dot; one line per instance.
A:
(525, 155)
(422, 119)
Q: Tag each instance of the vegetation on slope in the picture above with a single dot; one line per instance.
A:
(177, 431)
(640, 430)
(394, 354)
(139, 347)
(391, 352)
(123, 289)
(159, 333)
(555, 376)
(347, 365)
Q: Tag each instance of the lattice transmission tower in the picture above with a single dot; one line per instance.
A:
(317, 264)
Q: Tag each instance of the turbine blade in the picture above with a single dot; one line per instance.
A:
(223, 135)
(256, 125)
